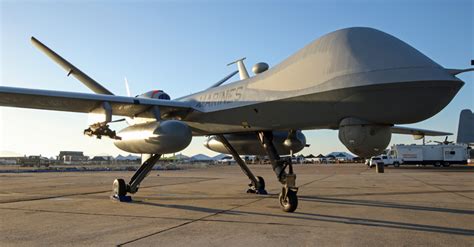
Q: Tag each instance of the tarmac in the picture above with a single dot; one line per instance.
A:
(339, 205)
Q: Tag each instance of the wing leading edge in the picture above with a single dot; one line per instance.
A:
(83, 102)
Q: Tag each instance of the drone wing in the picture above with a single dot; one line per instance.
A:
(418, 133)
(84, 102)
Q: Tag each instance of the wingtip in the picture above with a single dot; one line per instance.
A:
(34, 40)
(459, 71)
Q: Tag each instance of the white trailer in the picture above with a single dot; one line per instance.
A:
(437, 155)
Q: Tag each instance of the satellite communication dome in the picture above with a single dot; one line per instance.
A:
(259, 68)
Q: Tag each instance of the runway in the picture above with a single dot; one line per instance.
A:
(339, 205)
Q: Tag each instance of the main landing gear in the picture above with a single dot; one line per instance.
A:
(257, 184)
(120, 188)
(288, 197)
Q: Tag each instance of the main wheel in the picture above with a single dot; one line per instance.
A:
(290, 203)
(119, 187)
(437, 164)
(396, 164)
(446, 164)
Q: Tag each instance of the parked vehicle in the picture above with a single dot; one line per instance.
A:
(297, 159)
(436, 155)
(391, 160)
(228, 160)
(373, 161)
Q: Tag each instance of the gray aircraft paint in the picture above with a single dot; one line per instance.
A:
(466, 127)
(355, 72)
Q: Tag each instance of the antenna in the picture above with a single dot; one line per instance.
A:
(242, 70)
(224, 79)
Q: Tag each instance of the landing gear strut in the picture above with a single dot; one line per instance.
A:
(120, 188)
(288, 197)
(257, 184)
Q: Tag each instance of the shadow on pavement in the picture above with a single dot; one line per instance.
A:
(369, 203)
(400, 193)
(326, 218)
(183, 207)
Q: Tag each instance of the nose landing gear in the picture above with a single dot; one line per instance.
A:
(288, 198)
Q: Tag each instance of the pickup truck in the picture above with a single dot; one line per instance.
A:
(385, 159)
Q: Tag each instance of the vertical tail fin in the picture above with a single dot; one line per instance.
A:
(466, 127)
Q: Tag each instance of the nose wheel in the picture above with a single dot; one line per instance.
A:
(288, 200)
(288, 197)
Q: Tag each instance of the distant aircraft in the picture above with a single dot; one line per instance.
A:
(359, 81)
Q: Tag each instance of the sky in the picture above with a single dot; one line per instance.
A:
(183, 46)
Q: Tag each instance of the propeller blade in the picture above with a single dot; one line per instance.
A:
(129, 94)
(127, 87)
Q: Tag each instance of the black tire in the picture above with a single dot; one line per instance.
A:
(290, 203)
(437, 164)
(446, 164)
(119, 187)
(396, 164)
(261, 181)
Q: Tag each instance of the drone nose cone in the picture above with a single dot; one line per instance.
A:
(362, 49)
(352, 57)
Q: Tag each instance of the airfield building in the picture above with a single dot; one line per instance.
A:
(9, 160)
(69, 157)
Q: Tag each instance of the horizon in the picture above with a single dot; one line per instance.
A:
(6, 153)
(185, 46)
